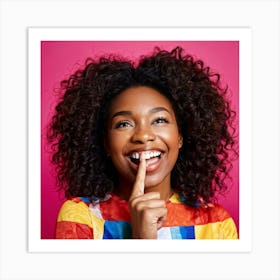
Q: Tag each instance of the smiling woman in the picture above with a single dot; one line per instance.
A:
(141, 150)
(142, 120)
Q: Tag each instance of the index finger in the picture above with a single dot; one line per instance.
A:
(139, 185)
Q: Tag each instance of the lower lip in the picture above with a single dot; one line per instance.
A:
(153, 166)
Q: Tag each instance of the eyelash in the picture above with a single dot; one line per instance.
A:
(122, 124)
(160, 120)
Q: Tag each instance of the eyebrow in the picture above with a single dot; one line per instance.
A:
(122, 113)
(129, 113)
(158, 109)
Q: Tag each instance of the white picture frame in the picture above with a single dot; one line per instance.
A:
(243, 35)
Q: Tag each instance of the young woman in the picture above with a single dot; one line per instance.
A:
(141, 150)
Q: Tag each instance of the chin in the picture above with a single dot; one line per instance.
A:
(153, 182)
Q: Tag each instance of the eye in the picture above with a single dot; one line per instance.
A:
(123, 124)
(160, 120)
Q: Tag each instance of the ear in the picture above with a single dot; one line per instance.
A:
(180, 140)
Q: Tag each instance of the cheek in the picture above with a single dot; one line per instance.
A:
(116, 144)
(172, 139)
(115, 149)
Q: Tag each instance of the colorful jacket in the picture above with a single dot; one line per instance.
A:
(80, 218)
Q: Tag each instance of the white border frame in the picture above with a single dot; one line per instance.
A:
(36, 35)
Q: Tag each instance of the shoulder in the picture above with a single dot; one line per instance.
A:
(207, 212)
(202, 213)
(216, 213)
(210, 221)
(216, 223)
(74, 220)
(75, 210)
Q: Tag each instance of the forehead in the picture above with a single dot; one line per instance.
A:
(140, 99)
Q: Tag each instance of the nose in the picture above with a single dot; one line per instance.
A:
(143, 134)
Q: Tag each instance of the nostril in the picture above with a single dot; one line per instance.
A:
(143, 135)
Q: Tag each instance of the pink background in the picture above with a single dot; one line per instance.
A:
(59, 59)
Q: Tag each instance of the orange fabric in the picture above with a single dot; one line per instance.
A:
(72, 230)
(115, 209)
(180, 214)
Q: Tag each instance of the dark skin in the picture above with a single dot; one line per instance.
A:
(143, 141)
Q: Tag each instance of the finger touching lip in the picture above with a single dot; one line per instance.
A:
(153, 159)
(139, 185)
(148, 155)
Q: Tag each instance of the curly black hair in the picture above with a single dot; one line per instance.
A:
(202, 110)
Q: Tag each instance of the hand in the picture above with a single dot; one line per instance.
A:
(147, 211)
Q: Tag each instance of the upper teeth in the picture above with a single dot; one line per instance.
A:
(148, 155)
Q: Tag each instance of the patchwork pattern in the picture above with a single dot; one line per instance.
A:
(117, 230)
(110, 219)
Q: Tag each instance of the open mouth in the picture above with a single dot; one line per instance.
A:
(150, 156)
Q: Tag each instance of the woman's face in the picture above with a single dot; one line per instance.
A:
(141, 120)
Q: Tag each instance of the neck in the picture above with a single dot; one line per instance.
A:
(164, 189)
